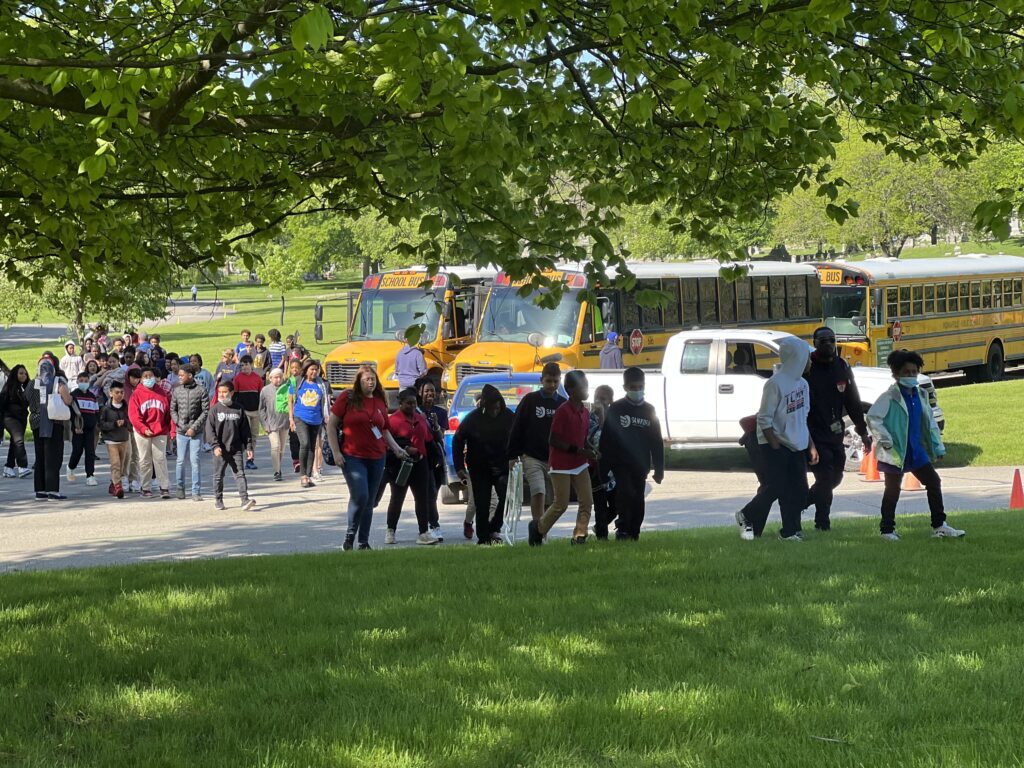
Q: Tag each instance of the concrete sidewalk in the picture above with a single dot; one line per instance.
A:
(91, 528)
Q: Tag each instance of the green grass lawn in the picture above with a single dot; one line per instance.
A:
(984, 423)
(685, 649)
(253, 307)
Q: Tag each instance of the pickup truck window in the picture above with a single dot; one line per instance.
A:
(750, 358)
(696, 357)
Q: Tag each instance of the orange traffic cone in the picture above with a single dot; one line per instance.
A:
(1017, 494)
(865, 460)
(871, 473)
(911, 483)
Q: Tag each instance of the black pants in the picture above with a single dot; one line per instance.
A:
(84, 443)
(828, 474)
(786, 475)
(604, 504)
(16, 453)
(308, 435)
(236, 461)
(293, 445)
(483, 482)
(629, 502)
(49, 458)
(933, 485)
(420, 482)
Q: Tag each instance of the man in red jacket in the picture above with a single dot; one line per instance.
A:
(150, 414)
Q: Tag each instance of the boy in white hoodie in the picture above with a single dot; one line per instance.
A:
(786, 444)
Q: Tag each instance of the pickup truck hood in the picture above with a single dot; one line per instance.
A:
(873, 382)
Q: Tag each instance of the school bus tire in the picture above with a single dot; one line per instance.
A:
(994, 367)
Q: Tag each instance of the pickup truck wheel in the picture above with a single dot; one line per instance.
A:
(448, 497)
(854, 448)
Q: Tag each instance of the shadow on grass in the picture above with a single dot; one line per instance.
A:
(682, 649)
(960, 455)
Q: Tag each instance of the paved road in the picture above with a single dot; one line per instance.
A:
(92, 529)
(25, 334)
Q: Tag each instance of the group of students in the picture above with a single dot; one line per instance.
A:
(800, 423)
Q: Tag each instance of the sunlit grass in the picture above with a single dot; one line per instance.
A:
(688, 648)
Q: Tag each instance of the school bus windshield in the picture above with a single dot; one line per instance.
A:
(845, 309)
(384, 312)
(511, 317)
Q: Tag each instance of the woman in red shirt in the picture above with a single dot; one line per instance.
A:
(360, 436)
(412, 432)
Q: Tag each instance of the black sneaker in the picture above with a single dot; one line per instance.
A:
(578, 540)
(533, 534)
(41, 497)
(251, 465)
(219, 504)
(349, 541)
(56, 496)
(277, 477)
(364, 546)
(181, 494)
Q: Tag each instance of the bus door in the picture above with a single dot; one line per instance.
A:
(747, 366)
(592, 335)
(458, 317)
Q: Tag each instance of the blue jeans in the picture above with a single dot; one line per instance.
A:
(363, 477)
(192, 446)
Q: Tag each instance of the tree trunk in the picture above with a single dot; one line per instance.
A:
(935, 234)
(282, 308)
(366, 267)
(79, 319)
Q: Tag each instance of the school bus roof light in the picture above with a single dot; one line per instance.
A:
(371, 283)
(578, 281)
(502, 279)
(440, 281)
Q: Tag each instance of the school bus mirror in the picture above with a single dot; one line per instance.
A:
(318, 313)
(318, 331)
(535, 339)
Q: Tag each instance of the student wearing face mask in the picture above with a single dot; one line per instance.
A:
(117, 435)
(84, 440)
(227, 430)
(631, 444)
(908, 440)
(150, 414)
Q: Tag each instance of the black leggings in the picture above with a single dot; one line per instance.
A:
(16, 453)
(308, 434)
(421, 483)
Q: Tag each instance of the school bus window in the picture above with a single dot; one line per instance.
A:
(673, 310)
(777, 290)
(630, 311)
(690, 314)
(905, 301)
(796, 296)
(976, 294)
(743, 308)
(1007, 293)
(997, 293)
(727, 300)
(965, 297)
(708, 301)
(1017, 292)
(587, 329)
(986, 294)
(761, 303)
(929, 299)
(940, 298)
(892, 304)
(952, 298)
(650, 317)
(917, 292)
(814, 299)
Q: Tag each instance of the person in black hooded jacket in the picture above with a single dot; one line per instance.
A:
(479, 452)
(14, 412)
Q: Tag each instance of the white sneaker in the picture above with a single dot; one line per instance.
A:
(90, 480)
(9, 472)
(249, 505)
(389, 537)
(70, 476)
(741, 520)
(798, 536)
(891, 536)
(437, 532)
(426, 539)
(747, 534)
(24, 472)
(316, 477)
(135, 486)
(946, 531)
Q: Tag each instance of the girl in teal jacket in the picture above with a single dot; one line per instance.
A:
(907, 439)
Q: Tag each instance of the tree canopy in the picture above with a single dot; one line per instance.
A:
(172, 131)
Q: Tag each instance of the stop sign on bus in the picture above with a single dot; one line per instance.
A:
(636, 341)
(897, 330)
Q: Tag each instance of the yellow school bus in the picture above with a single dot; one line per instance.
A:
(963, 313)
(775, 295)
(390, 302)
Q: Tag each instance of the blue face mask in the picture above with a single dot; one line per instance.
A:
(910, 382)
(149, 383)
(83, 385)
(635, 397)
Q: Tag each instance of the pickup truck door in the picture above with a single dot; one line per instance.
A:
(690, 408)
(748, 365)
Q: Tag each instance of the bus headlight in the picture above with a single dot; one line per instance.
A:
(392, 376)
(446, 376)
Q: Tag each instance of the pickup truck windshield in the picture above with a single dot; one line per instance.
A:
(382, 313)
(845, 309)
(511, 317)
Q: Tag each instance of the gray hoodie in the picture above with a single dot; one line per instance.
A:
(786, 399)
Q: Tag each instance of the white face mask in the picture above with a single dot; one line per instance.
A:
(635, 397)
(910, 382)
(224, 400)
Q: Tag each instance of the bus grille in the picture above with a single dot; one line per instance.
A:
(462, 370)
(339, 375)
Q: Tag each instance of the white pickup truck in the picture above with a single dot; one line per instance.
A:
(713, 378)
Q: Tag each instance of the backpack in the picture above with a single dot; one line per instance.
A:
(281, 400)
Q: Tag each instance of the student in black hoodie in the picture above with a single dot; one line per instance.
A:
(528, 439)
(84, 441)
(631, 444)
(833, 391)
(227, 430)
(479, 453)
